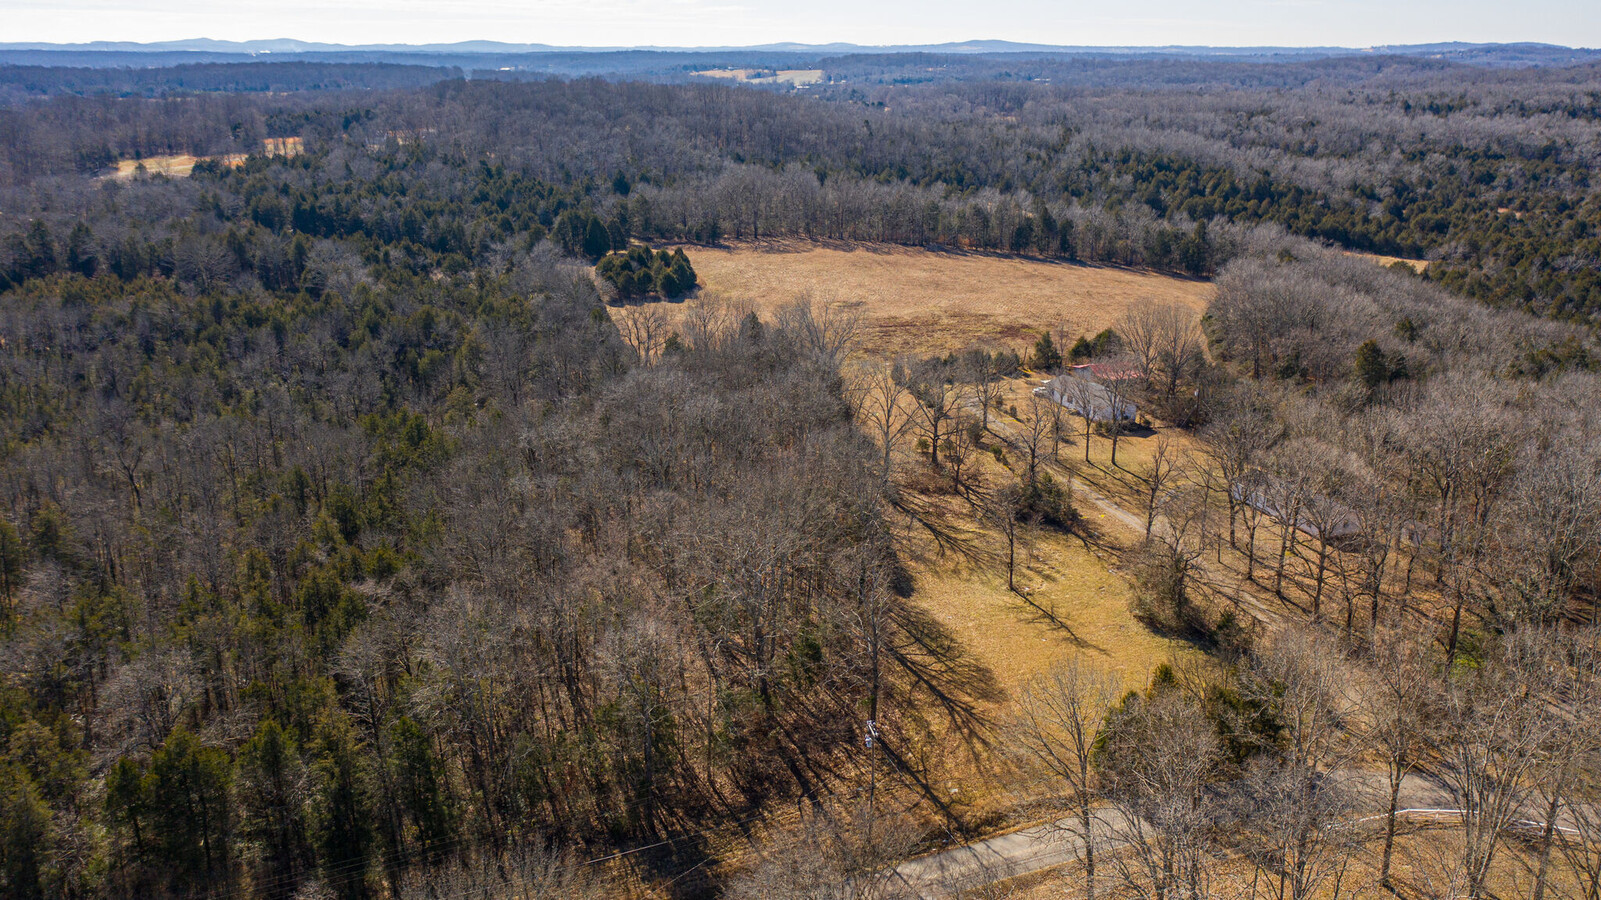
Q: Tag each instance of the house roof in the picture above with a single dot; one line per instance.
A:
(1074, 393)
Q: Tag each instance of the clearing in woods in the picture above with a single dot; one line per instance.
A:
(1068, 603)
(924, 301)
(1416, 265)
(795, 77)
(181, 165)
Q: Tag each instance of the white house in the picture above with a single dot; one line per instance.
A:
(1085, 397)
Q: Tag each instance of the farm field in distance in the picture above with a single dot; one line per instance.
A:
(923, 301)
(756, 76)
(181, 165)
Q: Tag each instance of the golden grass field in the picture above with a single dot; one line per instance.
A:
(786, 76)
(1417, 265)
(922, 301)
(181, 165)
(1070, 606)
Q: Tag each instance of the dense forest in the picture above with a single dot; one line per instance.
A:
(354, 567)
(346, 540)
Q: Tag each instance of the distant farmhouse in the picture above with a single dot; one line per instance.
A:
(1081, 389)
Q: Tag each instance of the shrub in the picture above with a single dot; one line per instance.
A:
(1049, 504)
(1161, 595)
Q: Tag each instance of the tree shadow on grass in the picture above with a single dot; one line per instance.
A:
(1035, 613)
(944, 527)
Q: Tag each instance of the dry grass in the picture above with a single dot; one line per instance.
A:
(1417, 265)
(785, 76)
(178, 165)
(922, 301)
(1068, 605)
(1424, 861)
(181, 165)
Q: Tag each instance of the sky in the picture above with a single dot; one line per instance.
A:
(1350, 23)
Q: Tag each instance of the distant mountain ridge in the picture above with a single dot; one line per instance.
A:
(676, 62)
(293, 46)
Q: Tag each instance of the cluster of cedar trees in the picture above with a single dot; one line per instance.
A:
(639, 272)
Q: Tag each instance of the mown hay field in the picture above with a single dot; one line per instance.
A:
(922, 301)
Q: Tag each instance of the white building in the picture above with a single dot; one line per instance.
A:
(1086, 397)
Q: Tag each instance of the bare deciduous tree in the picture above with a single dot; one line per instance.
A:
(1058, 719)
(1396, 707)
(1488, 739)
(1296, 798)
(1164, 342)
(644, 328)
(1038, 426)
(1158, 479)
(937, 400)
(1158, 758)
(883, 406)
(825, 330)
(1082, 395)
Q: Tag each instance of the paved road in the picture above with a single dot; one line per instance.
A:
(1035, 849)
(1052, 844)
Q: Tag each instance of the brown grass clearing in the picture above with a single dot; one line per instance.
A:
(1069, 604)
(1417, 265)
(182, 165)
(786, 76)
(178, 165)
(1060, 577)
(923, 301)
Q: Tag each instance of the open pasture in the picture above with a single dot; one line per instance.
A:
(913, 300)
(795, 77)
(181, 165)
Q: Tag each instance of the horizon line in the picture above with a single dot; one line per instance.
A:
(170, 44)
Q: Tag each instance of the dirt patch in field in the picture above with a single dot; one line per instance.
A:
(923, 301)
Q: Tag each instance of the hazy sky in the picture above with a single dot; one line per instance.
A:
(723, 22)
